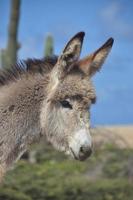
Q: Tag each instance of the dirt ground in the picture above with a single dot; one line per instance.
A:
(122, 136)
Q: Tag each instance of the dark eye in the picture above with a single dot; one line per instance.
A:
(93, 100)
(66, 104)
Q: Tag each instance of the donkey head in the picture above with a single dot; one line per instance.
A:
(65, 115)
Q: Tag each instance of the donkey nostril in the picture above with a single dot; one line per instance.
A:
(85, 151)
(81, 149)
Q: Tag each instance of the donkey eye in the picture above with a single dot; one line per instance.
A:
(66, 104)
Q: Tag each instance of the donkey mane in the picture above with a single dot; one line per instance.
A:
(28, 66)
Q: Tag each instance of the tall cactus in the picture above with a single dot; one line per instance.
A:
(9, 55)
(3, 58)
(49, 46)
(13, 46)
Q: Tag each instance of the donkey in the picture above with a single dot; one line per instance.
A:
(50, 97)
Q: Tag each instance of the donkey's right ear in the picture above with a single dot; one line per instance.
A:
(70, 54)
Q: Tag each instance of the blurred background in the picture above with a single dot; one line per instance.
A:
(35, 29)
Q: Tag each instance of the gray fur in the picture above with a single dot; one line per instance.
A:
(30, 103)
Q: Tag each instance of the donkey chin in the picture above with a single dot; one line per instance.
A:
(78, 146)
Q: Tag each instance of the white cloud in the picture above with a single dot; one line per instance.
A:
(113, 17)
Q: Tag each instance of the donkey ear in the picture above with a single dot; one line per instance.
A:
(93, 63)
(70, 54)
(73, 48)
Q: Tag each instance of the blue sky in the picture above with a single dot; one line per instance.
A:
(100, 20)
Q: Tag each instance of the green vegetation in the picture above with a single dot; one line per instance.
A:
(105, 176)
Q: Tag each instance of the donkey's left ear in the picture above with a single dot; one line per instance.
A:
(93, 63)
(70, 54)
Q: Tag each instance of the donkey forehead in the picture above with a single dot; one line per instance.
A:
(75, 86)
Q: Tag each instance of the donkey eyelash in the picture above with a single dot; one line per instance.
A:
(66, 104)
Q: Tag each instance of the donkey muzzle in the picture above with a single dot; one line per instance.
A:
(81, 145)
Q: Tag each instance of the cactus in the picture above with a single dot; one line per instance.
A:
(9, 55)
(3, 58)
(49, 46)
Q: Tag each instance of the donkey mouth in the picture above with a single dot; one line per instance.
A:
(80, 157)
(73, 154)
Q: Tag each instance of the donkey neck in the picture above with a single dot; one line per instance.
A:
(20, 103)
